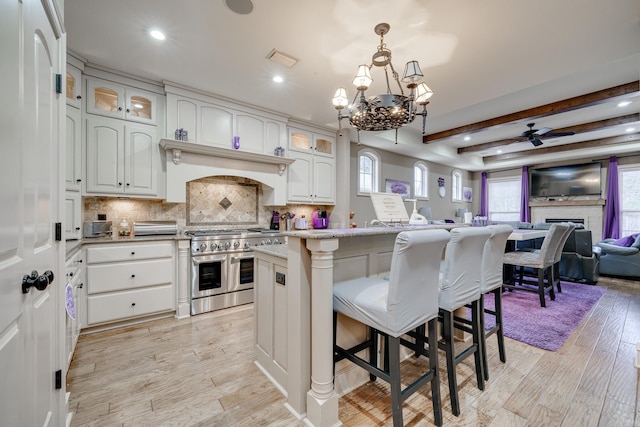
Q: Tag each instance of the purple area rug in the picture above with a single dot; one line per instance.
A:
(545, 327)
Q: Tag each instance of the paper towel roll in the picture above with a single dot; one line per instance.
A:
(468, 216)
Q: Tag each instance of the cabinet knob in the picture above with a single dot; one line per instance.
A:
(128, 184)
(78, 97)
(119, 184)
(81, 285)
(133, 304)
(119, 108)
(80, 261)
(71, 274)
(128, 110)
(133, 275)
(78, 180)
(77, 228)
(133, 253)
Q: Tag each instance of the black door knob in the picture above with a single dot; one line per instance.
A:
(40, 282)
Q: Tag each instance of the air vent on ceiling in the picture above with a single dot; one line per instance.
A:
(282, 58)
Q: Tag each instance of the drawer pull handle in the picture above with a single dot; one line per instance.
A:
(133, 304)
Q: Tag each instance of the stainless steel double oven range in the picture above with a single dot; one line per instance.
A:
(222, 266)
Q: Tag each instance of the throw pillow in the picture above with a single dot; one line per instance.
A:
(626, 241)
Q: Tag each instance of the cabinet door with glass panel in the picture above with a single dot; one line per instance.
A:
(120, 101)
(73, 87)
(305, 141)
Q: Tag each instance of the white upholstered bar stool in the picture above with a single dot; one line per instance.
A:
(408, 299)
(460, 286)
(491, 283)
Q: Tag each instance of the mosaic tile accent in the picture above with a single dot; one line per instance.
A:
(222, 201)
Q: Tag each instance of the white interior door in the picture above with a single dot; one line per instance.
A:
(29, 179)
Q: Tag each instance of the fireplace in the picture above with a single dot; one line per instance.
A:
(556, 220)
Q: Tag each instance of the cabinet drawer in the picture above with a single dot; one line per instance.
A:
(138, 302)
(129, 275)
(111, 253)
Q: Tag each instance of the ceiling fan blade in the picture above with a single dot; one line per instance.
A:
(555, 134)
(535, 141)
(542, 131)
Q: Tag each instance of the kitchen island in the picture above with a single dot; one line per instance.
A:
(294, 312)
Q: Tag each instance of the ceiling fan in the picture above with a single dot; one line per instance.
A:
(532, 134)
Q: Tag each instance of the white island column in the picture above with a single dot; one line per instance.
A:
(322, 400)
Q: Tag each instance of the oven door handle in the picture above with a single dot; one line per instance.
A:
(237, 258)
(208, 258)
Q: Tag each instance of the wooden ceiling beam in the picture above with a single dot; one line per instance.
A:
(582, 101)
(621, 139)
(581, 128)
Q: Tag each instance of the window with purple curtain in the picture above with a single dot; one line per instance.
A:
(524, 195)
(484, 203)
(611, 226)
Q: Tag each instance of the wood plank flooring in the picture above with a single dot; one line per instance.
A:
(200, 372)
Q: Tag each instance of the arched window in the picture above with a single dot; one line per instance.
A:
(456, 186)
(368, 172)
(420, 180)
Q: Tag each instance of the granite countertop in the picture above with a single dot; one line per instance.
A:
(332, 233)
(279, 251)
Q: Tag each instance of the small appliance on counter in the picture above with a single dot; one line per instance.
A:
(320, 219)
(275, 220)
(92, 229)
(155, 228)
(301, 223)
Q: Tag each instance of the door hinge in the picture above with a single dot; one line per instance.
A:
(58, 379)
(58, 83)
(58, 231)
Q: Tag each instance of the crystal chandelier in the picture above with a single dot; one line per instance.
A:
(389, 110)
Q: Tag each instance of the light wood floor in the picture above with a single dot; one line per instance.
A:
(200, 372)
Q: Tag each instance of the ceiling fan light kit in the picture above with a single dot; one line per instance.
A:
(386, 111)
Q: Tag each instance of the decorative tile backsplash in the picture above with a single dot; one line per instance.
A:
(205, 207)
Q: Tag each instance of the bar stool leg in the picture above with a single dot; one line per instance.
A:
(449, 350)
(394, 374)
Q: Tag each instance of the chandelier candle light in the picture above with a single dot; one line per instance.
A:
(386, 111)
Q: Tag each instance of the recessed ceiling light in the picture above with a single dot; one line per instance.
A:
(629, 129)
(157, 34)
(624, 103)
(467, 138)
(278, 79)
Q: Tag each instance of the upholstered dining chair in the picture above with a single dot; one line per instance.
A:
(541, 261)
(491, 283)
(555, 270)
(459, 286)
(394, 306)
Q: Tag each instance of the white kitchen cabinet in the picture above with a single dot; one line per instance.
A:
(73, 215)
(73, 297)
(120, 101)
(312, 177)
(122, 158)
(271, 316)
(129, 280)
(73, 166)
(214, 122)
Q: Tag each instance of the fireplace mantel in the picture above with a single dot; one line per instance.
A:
(600, 202)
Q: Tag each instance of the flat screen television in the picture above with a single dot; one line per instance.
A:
(562, 181)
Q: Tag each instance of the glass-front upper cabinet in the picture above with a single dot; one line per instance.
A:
(300, 140)
(73, 87)
(113, 100)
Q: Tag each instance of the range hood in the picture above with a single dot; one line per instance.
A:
(188, 161)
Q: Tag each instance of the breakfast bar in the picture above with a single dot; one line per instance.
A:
(315, 259)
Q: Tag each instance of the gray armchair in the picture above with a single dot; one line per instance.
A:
(620, 261)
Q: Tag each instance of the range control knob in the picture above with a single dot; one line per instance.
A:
(236, 245)
(203, 246)
(227, 245)
(276, 241)
(268, 241)
(246, 245)
(214, 246)
(262, 243)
